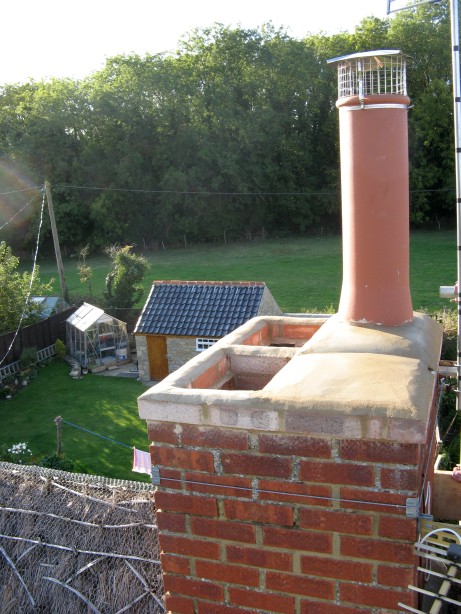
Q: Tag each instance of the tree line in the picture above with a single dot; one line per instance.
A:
(234, 135)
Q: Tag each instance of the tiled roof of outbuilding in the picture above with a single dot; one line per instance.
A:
(199, 308)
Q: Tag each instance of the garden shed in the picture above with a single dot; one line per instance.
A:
(182, 318)
(95, 338)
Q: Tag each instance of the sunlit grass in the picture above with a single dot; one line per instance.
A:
(105, 405)
(303, 274)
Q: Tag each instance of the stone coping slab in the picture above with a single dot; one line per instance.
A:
(419, 339)
(346, 381)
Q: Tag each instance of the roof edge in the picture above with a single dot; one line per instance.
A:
(206, 283)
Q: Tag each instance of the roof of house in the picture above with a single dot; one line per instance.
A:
(199, 308)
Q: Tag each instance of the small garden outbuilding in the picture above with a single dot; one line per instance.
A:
(181, 318)
(95, 338)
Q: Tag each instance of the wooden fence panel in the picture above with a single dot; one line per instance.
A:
(39, 335)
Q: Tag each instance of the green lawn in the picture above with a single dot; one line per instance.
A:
(303, 274)
(105, 405)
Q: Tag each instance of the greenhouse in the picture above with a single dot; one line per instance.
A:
(95, 338)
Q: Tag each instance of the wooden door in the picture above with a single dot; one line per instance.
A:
(157, 354)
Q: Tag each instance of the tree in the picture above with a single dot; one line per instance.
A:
(85, 272)
(16, 291)
(123, 282)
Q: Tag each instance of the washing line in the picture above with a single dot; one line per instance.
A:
(246, 489)
(125, 445)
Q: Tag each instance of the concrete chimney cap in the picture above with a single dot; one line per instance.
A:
(365, 54)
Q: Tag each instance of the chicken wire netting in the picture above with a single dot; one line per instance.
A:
(77, 543)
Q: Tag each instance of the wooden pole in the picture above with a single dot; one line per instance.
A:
(58, 422)
(57, 249)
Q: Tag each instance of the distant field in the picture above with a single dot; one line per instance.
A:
(303, 274)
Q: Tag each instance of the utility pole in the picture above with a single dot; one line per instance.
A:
(57, 249)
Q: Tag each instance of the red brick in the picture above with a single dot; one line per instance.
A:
(257, 557)
(172, 544)
(258, 465)
(374, 596)
(171, 478)
(220, 529)
(400, 479)
(336, 521)
(297, 540)
(231, 574)
(396, 576)
(397, 527)
(213, 608)
(193, 588)
(228, 486)
(294, 331)
(288, 492)
(162, 432)
(380, 452)
(261, 337)
(337, 473)
(220, 439)
(334, 568)
(176, 523)
(183, 459)
(262, 601)
(187, 504)
(299, 585)
(208, 378)
(175, 564)
(392, 503)
(311, 607)
(377, 550)
(295, 445)
(258, 512)
(179, 605)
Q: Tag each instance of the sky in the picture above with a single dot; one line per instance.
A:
(40, 39)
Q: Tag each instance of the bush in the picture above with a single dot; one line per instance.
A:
(16, 453)
(61, 462)
(60, 348)
(28, 358)
(449, 422)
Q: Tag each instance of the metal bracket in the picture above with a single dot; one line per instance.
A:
(155, 472)
(412, 507)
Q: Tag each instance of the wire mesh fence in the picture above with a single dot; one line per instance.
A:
(77, 543)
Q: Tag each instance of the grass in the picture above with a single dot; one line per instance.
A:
(303, 274)
(105, 405)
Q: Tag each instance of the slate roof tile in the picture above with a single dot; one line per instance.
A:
(199, 308)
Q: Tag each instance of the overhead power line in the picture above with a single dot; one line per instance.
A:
(39, 187)
(32, 276)
(210, 193)
(18, 212)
